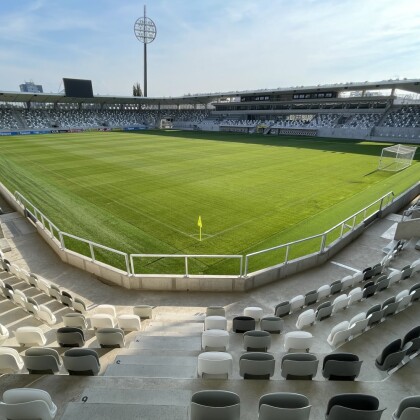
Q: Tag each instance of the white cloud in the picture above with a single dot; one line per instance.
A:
(211, 45)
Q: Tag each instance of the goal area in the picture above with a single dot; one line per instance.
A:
(396, 158)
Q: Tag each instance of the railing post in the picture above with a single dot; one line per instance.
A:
(342, 230)
(186, 266)
(92, 251)
(286, 257)
(323, 241)
(60, 235)
(127, 264)
(241, 260)
(246, 266)
(380, 205)
(51, 230)
(132, 265)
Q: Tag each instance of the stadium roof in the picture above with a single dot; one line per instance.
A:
(411, 85)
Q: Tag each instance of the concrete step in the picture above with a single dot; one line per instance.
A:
(109, 395)
(155, 360)
(152, 371)
(84, 411)
(175, 343)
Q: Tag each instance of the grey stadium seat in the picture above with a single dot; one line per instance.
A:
(299, 366)
(272, 324)
(215, 404)
(284, 405)
(81, 362)
(282, 309)
(341, 367)
(391, 356)
(70, 337)
(42, 360)
(257, 340)
(323, 311)
(256, 365)
(408, 409)
(241, 324)
(352, 407)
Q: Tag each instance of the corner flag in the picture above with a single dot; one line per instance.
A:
(200, 225)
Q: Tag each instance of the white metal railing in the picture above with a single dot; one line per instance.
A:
(186, 258)
(54, 232)
(345, 226)
(349, 224)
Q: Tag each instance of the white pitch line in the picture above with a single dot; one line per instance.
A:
(345, 266)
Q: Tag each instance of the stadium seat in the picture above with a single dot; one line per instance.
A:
(341, 367)
(129, 322)
(272, 324)
(10, 360)
(284, 405)
(215, 322)
(81, 362)
(214, 364)
(299, 366)
(42, 360)
(241, 324)
(29, 336)
(215, 340)
(256, 340)
(27, 403)
(70, 337)
(282, 309)
(298, 340)
(256, 365)
(215, 311)
(353, 406)
(311, 297)
(215, 404)
(110, 337)
(305, 319)
(408, 409)
(323, 311)
(143, 311)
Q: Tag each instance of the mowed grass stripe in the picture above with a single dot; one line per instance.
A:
(144, 192)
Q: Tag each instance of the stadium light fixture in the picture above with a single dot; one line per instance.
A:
(145, 32)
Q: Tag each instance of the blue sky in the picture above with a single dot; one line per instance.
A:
(208, 45)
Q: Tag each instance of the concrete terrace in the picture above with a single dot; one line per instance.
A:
(156, 374)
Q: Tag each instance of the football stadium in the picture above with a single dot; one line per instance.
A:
(245, 254)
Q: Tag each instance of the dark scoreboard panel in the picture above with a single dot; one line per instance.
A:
(78, 88)
(289, 96)
(315, 95)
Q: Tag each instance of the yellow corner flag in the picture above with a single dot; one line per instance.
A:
(200, 225)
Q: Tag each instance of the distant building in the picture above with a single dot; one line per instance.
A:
(31, 87)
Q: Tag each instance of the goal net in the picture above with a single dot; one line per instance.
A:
(397, 157)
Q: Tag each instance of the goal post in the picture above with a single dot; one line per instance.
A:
(396, 158)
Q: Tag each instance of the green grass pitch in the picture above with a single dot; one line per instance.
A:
(143, 192)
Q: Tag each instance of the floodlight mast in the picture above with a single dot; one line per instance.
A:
(145, 32)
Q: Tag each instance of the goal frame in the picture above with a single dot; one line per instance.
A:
(396, 158)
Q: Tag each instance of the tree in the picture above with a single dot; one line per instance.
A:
(137, 90)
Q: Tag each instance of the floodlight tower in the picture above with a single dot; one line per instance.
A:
(145, 32)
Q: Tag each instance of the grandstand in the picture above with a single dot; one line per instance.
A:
(376, 113)
(145, 354)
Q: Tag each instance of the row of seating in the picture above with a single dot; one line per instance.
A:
(302, 366)
(395, 353)
(347, 330)
(27, 303)
(300, 301)
(50, 289)
(382, 281)
(24, 403)
(44, 360)
(326, 309)
(66, 336)
(225, 405)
